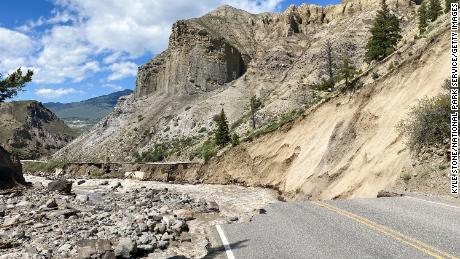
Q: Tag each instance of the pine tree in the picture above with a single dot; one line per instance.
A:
(434, 10)
(422, 18)
(222, 135)
(10, 86)
(254, 104)
(386, 33)
(347, 71)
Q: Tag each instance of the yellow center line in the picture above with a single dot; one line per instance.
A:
(419, 245)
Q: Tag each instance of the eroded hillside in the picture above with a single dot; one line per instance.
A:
(348, 146)
(219, 61)
(30, 130)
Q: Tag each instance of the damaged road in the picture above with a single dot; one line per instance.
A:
(119, 218)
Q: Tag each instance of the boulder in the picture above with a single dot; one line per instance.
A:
(10, 170)
(62, 186)
(125, 248)
(184, 214)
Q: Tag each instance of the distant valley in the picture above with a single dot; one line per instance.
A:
(80, 116)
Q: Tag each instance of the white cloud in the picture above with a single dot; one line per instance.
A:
(15, 49)
(122, 70)
(49, 93)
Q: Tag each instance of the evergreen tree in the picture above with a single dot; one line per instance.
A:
(11, 85)
(422, 18)
(255, 103)
(222, 135)
(347, 71)
(235, 139)
(386, 32)
(434, 10)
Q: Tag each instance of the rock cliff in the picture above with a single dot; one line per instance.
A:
(219, 61)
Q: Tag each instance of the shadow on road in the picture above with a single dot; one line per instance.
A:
(214, 252)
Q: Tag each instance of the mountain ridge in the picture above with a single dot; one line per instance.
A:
(84, 114)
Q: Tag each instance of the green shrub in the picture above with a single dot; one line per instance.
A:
(48, 167)
(391, 67)
(140, 117)
(428, 123)
(157, 154)
(208, 150)
(202, 130)
(274, 124)
(406, 176)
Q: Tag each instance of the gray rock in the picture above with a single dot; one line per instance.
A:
(213, 206)
(146, 248)
(18, 233)
(82, 198)
(62, 186)
(162, 244)
(51, 203)
(125, 248)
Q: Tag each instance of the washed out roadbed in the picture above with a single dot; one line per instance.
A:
(97, 218)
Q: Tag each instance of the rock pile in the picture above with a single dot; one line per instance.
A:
(107, 222)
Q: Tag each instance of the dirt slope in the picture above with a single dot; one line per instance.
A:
(349, 146)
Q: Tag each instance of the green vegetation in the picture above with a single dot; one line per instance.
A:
(162, 150)
(386, 33)
(274, 124)
(428, 123)
(235, 139)
(422, 18)
(202, 130)
(11, 85)
(391, 66)
(434, 10)
(448, 5)
(222, 133)
(48, 167)
(347, 71)
(406, 176)
(208, 150)
(255, 104)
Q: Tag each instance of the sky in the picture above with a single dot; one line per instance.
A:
(79, 49)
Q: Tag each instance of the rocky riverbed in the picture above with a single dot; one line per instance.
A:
(119, 218)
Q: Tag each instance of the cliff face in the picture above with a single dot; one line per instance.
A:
(219, 61)
(30, 130)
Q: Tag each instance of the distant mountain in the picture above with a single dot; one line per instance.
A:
(30, 130)
(83, 115)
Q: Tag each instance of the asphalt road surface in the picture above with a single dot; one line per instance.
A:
(400, 227)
